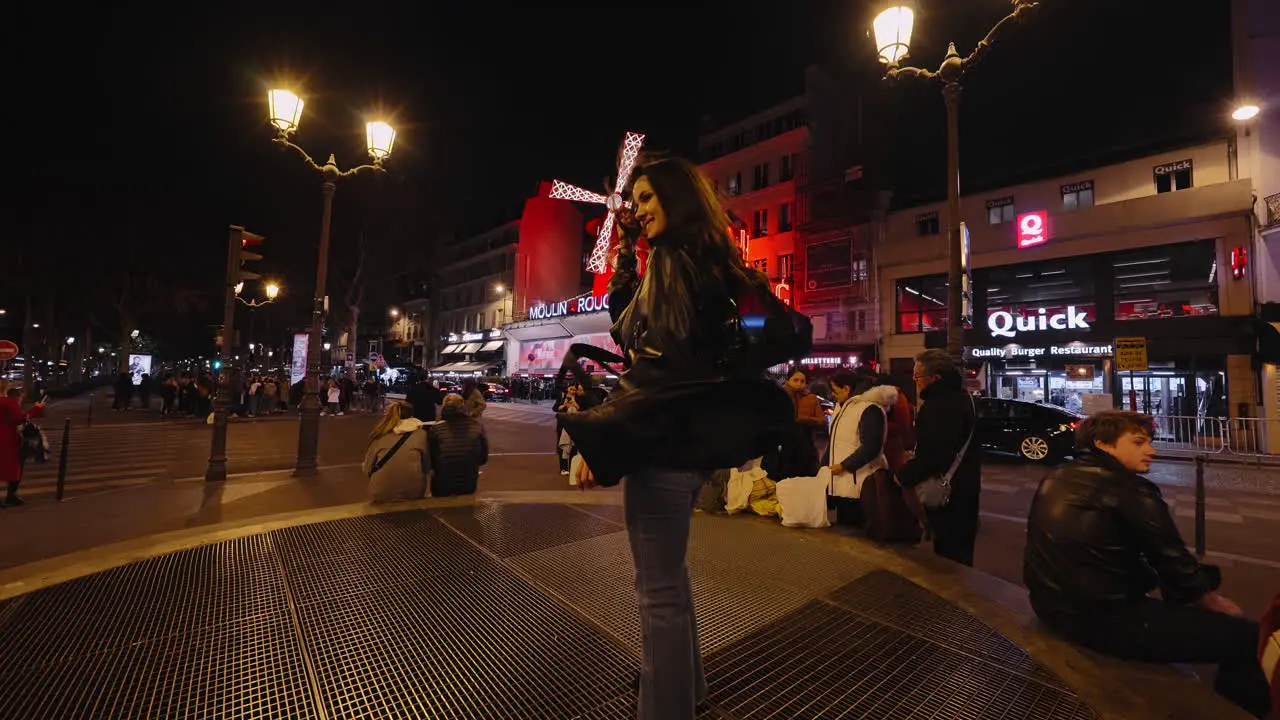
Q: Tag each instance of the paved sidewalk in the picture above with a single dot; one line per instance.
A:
(514, 605)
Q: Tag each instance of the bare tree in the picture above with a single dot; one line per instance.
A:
(354, 300)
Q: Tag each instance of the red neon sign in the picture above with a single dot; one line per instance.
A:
(1033, 228)
(1239, 261)
(783, 292)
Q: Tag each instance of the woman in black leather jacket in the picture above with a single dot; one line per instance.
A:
(675, 327)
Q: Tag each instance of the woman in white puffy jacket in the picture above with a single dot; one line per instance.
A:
(858, 431)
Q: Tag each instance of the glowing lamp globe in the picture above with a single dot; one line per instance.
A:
(273, 291)
(286, 109)
(381, 137)
(893, 33)
(1245, 112)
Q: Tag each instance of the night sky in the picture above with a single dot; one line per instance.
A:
(144, 134)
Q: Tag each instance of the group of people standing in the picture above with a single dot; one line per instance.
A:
(878, 437)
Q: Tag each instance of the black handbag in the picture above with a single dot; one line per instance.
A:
(657, 417)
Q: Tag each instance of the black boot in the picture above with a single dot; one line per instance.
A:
(12, 499)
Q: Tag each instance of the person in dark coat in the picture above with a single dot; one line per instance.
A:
(945, 421)
(1100, 538)
(458, 448)
(424, 397)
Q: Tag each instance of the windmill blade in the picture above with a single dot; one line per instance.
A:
(631, 145)
(599, 253)
(561, 190)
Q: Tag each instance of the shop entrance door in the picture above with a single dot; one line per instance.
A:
(1162, 395)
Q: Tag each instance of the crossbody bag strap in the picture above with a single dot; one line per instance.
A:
(383, 460)
(955, 464)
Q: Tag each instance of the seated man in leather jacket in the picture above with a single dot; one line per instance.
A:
(1100, 538)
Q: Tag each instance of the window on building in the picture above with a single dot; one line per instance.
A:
(859, 269)
(735, 183)
(922, 304)
(1026, 289)
(1077, 195)
(784, 217)
(787, 170)
(927, 223)
(762, 265)
(1000, 210)
(1173, 176)
(1167, 281)
(760, 223)
(786, 266)
(760, 179)
(479, 321)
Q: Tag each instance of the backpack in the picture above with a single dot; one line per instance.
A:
(35, 446)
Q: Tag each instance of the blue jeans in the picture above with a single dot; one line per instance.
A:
(659, 505)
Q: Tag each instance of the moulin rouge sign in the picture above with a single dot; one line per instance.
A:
(571, 306)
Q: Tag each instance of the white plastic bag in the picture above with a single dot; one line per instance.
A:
(804, 500)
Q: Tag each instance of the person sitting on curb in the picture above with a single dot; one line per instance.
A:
(458, 448)
(397, 459)
(1100, 539)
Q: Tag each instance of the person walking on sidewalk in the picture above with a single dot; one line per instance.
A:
(12, 418)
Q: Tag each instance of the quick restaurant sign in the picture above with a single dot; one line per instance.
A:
(1002, 323)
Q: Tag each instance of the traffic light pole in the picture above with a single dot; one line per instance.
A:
(217, 468)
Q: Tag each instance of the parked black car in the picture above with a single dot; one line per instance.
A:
(1035, 432)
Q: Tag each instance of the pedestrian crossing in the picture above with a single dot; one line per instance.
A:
(103, 458)
(520, 413)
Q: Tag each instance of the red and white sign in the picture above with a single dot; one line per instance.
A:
(1033, 228)
(8, 350)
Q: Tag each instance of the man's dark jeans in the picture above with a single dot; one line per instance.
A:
(1154, 631)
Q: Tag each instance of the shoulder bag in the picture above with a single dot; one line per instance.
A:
(935, 492)
(373, 470)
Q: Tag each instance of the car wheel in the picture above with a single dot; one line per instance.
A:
(1035, 448)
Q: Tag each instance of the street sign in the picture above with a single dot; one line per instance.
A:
(8, 350)
(1131, 353)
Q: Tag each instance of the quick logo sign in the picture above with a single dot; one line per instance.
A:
(1003, 323)
(1033, 228)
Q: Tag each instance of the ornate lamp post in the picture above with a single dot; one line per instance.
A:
(286, 113)
(892, 29)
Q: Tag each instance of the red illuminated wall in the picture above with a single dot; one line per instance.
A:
(550, 250)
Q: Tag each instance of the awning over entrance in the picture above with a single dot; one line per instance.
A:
(492, 346)
(460, 367)
(451, 349)
(469, 348)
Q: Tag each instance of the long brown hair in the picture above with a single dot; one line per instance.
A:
(395, 412)
(695, 247)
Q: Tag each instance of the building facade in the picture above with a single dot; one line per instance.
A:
(1153, 248)
(488, 282)
(754, 164)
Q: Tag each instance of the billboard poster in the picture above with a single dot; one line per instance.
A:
(139, 365)
(298, 367)
(545, 356)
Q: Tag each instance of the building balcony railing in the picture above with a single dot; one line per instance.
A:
(1272, 203)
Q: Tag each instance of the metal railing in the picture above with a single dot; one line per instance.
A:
(1273, 209)
(1243, 437)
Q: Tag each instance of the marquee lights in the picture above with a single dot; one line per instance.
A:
(560, 190)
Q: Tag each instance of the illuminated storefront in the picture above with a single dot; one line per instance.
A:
(537, 346)
(477, 353)
(1044, 331)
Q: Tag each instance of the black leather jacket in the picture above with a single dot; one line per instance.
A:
(1099, 535)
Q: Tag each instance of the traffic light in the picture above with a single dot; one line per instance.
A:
(241, 249)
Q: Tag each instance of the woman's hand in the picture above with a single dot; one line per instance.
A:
(586, 479)
(837, 469)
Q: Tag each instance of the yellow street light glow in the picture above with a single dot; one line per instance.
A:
(1245, 112)
(286, 109)
(893, 33)
(273, 290)
(381, 138)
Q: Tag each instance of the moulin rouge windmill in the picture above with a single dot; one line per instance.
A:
(631, 145)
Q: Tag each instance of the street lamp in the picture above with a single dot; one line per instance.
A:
(1245, 112)
(892, 28)
(285, 114)
(271, 290)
